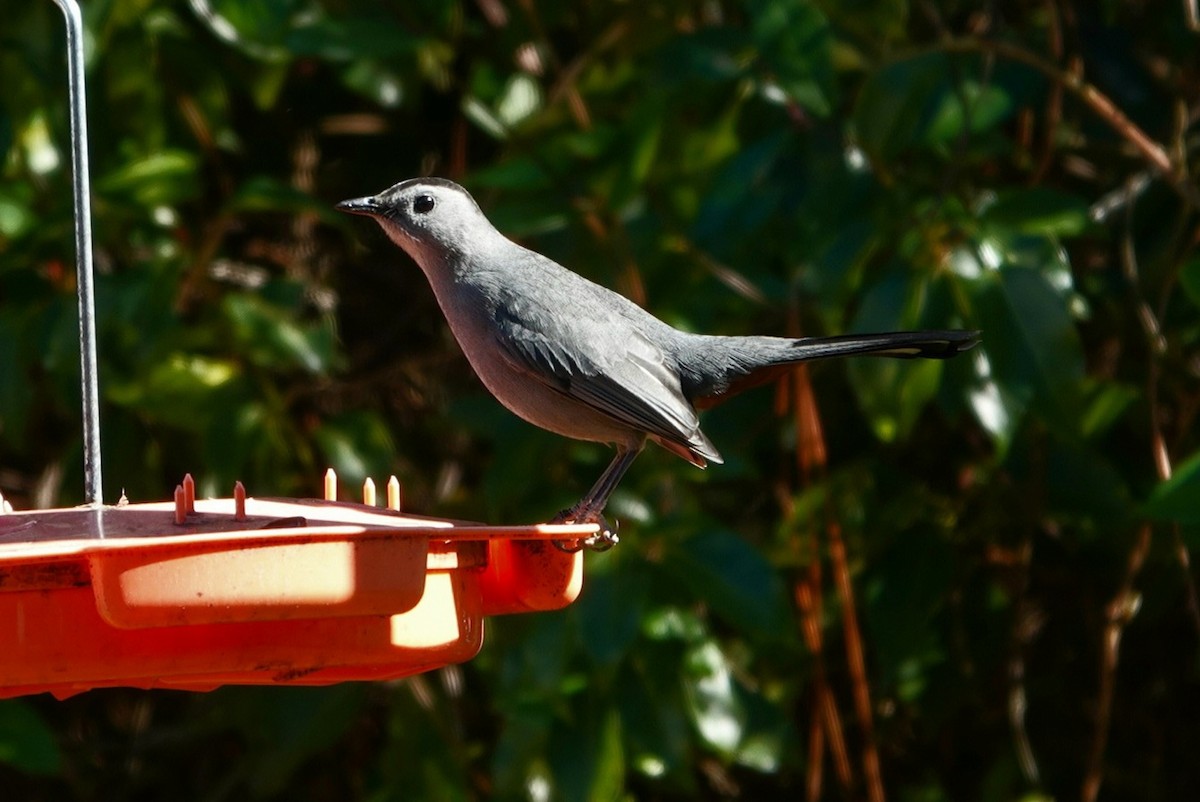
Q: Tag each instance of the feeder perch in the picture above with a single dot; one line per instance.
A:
(197, 593)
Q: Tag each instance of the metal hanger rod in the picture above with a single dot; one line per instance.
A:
(93, 486)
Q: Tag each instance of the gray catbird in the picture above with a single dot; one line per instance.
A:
(573, 357)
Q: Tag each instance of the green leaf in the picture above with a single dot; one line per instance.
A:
(898, 103)
(739, 584)
(178, 390)
(795, 42)
(271, 337)
(26, 742)
(657, 734)
(286, 726)
(587, 758)
(1082, 484)
(1031, 343)
(767, 737)
(257, 29)
(904, 592)
(333, 39)
(1039, 210)
(1106, 403)
(738, 203)
(711, 55)
(974, 108)
(266, 194)
(16, 218)
(891, 393)
(971, 378)
(609, 611)
(521, 99)
(357, 445)
(1178, 498)
(488, 121)
(928, 101)
(514, 174)
(1189, 279)
(712, 700)
(375, 81)
(163, 178)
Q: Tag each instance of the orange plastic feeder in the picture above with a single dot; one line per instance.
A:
(202, 593)
(196, 594)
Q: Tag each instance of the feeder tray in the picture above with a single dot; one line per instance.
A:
(197, 594)
(194, 594)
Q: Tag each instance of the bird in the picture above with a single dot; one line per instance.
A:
(580, 360)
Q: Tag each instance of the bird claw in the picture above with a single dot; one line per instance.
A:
(603, 540)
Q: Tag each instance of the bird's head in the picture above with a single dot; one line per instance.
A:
(430, 218)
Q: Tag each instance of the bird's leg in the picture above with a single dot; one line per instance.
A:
(591, 507)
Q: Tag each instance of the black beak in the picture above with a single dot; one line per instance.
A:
(369, 206)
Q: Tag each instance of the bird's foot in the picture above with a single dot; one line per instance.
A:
(603, 540)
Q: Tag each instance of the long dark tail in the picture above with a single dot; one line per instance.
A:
(714, 368)
(897, 344)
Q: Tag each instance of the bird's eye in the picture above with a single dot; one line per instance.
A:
(423, 204)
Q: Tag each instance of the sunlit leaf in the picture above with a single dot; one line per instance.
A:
(274, 338)
(178, 390)
(15, 215)
(995, 406)
(971, 107)
(712, 699)
(1031, 343)
(257, 29)
(161, 178)
(522, 97)
(768, 739)
(372, 80)
(1039, 210)
(1106, 403)
(1178, 498)
(487, 119)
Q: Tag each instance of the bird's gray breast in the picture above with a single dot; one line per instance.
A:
(496, 316)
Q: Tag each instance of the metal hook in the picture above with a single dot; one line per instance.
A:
(93, 489)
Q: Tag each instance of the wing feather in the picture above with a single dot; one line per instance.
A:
(634, 387)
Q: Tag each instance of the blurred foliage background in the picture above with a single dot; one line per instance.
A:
(925, 582)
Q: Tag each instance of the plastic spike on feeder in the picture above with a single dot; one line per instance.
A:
(395, 494)
(330, 485)
(197, 593)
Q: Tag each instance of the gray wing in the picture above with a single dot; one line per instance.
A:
(611, 367)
